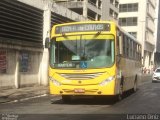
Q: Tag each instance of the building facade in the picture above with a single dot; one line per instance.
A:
(110, 10)
(24, 25)
(90, 9)
(93, 9)
(137, 17)
(157, 37)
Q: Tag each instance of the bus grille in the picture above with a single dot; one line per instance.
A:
(83, 76)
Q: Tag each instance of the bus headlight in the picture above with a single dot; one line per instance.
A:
(107, 81)
(54, 81)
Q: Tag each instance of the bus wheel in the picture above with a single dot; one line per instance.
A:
(120, 95)
(66, 98)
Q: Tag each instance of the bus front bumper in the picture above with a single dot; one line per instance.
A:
(108, 89)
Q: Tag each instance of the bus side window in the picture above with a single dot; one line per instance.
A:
(117, 43)
(137, 50)
(125, 44)
(121, 44)
(127, 47)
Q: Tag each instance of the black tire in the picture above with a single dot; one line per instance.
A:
(153, 81)
(120, 95)
(66, 98)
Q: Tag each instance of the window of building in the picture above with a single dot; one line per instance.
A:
(129, 21)
(134, 21)
(115, 15)
(123, 22)
(99, 4)
(116, 4)
(111, 12)
(135, 7)
(128, 7)
(112, 1)
(99, 17)
(123, 8)
(92, 2)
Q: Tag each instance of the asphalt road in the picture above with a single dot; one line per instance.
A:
(146, 101)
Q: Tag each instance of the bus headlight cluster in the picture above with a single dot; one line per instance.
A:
(107, 81)
(54, 81)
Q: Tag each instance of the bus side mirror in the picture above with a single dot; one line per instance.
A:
(120, 45)
(47, 42)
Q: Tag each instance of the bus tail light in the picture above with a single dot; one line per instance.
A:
(103, 83)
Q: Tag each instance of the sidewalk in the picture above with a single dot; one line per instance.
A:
(8, 95)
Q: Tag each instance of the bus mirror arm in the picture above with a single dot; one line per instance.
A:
(47, 42)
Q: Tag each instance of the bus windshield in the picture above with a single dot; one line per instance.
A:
(84, 51)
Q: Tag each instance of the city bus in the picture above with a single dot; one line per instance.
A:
(92, 58)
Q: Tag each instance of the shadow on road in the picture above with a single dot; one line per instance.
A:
(98, 100)
(87, 101)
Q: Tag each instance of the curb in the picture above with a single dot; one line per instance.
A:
(22, 96)
(8, 100)
(4, 99)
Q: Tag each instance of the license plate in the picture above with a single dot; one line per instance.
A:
(79, 90)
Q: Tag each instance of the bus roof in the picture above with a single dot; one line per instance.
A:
(82, 22)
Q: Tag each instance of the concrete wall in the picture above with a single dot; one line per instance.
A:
(7, 79)
(37, 73)
(106, 6)
(32, 76)
(14, 76)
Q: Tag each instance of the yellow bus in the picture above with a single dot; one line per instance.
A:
(92, 58)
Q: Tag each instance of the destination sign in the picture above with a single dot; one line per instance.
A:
(82, 28)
